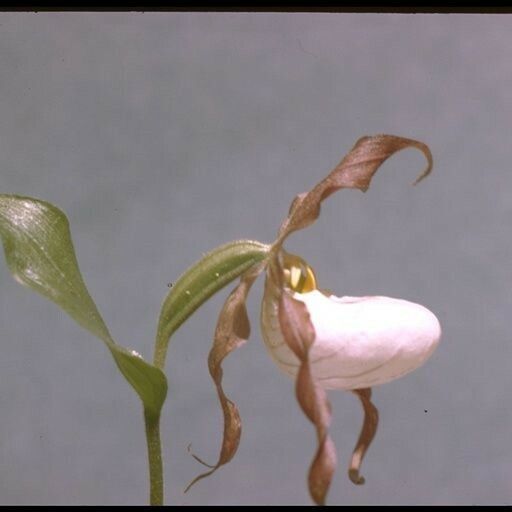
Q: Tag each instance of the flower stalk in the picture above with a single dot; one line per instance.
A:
(156, 472)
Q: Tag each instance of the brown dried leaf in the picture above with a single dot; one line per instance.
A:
(232, 331)
(299, 334)
(371, 420)
(354, 171)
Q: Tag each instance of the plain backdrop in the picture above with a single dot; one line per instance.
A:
(163, 135)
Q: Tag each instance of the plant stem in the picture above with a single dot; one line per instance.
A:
(160, 353)
(156, 480)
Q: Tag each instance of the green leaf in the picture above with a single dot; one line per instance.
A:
(40, 254)
(214, 271)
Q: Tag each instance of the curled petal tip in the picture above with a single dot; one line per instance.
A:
(201, 461)
(423, 175)
(355, 477)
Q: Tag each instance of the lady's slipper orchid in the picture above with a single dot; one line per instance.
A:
(324, 341)
(359, 341)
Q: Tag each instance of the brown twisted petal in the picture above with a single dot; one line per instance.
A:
(299, 334)
(371, 420)
(354, 171)
(232, 331)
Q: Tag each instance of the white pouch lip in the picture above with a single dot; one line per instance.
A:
(360, 342)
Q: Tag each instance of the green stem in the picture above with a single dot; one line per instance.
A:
(156, 479)
(160, 353)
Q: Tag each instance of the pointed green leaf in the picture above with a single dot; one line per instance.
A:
(40, 254)
(214, 271)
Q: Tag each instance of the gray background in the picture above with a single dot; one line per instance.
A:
(164, 135)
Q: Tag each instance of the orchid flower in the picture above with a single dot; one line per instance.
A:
(323, 341)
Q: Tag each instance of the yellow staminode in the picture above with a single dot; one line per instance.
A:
(299, 276)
